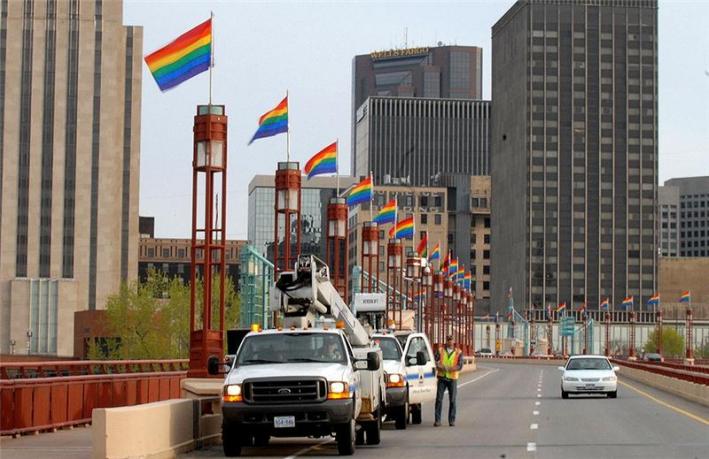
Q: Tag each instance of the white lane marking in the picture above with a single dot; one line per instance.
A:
(531, 446)
(534, 426)
(309, 448)
(539, 395)
(537, 403)
(478, 378)
(535, 413)
(539, 389)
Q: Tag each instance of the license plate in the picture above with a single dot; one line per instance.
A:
(281, 422)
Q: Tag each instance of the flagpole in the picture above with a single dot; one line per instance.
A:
(211, 59)
(337, 165)
(371, 196)
(288, 133)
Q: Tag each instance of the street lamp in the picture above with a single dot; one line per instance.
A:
(427, 284)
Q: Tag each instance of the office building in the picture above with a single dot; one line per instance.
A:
(70, 97)
(172, 258)
(574, 174)
(668, 216)
(419, 139)
(315, 195)
(693, 213)
(447, 72)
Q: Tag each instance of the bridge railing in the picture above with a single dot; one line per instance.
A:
(689, 373)
(38, 396)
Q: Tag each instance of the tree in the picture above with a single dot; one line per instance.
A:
(672, 342)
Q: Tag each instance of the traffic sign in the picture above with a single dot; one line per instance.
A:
(567, 326)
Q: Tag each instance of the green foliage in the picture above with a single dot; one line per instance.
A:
(151, 320)
(672, 342)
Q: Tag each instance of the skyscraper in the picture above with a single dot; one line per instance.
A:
(70, 92)
(574, 174)
(445, 72)
(692, 195)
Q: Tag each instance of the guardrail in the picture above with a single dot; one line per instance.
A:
(38, 397)
(688, 374)
(13, 370)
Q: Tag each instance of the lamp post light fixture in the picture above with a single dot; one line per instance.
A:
(437, 301)
(394, 280)
(427, 286)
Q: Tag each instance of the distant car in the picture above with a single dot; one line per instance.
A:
(484, 352)
(653, 357)
(589, 374)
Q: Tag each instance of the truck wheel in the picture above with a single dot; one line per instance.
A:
(359, 436)
(401, 416)
(261, 439)
(231, 441)
(374, 430)
(415, 414)
(346, 438)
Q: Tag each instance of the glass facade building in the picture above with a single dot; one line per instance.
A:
(575, 139)
(315, 195)
(692, 218)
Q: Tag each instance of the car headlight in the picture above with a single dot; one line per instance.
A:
(337, 390)
(570, 378)
(232, 393)
(610, 378)
(395, 380)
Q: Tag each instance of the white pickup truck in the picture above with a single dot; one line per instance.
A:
(410, 371)
(318, 375)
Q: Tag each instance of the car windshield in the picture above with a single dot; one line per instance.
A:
(390, 348)
(485, 350)
(588, 364)
(292, 348)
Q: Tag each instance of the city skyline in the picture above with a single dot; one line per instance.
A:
(320, 98)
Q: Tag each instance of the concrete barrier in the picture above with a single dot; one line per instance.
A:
(698, 393)
(152, 430)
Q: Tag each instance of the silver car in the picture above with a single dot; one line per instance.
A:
(589, 374)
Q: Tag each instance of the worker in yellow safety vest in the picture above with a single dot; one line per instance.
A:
(449, 362)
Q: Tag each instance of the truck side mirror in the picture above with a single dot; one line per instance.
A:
(421, 358)
(373, 362)
(213, 365)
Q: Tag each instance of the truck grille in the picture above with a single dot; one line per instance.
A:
(590, 379)
(279, 391)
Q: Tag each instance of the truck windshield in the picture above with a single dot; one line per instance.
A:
(292, 348)
(390, 348)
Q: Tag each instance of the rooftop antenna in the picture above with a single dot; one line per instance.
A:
(406, 37)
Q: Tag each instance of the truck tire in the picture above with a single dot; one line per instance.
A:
(401, 417)
(345, 437)
(374, 429)
(359, 436)
(231, 441)
(261, 439)
(416, 414)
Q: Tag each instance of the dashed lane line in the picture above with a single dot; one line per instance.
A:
(531, 446)
(309, 448)
(537, 403)
(533, 426)
(535, 413)
(667, 405)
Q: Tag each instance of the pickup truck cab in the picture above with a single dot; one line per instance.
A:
(410, 373)
(293, 383)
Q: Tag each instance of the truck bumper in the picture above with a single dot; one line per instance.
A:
(310, 419)
(396, 397)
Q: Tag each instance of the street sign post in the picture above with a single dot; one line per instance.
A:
(567, 326)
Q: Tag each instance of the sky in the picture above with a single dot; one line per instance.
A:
(265, 48)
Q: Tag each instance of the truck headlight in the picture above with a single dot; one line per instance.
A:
(570, 378)
(610, 378)
(232, 393)
(338, 390)
(395, 380)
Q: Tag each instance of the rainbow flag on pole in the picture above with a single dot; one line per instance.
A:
(324, 162)
(468, 281)
(362, 192)
(186, 56)
(654, 300)
(605, 304)
(422, 249)
(453, 269)
(387, 214)
(436, 252)
(686, 297)
(272, 122)
(392, 231)
(627, 303)
(561, 307)
(405, 229)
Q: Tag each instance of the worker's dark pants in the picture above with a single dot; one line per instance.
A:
(452, 386)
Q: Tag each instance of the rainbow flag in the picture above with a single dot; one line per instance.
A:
(362, 192)
(627, 302)
(405, 228)
(392, 230)
(654, 300)
(582, 308)
(453, 269)
(387, 214)
(186, 56)
(446, 262)
(686, 297)
(436, 252)
(272, 122)
(605, 304)
(461, 274)
(561, 307)
(468, 281)
(324, 162)
(422, 249)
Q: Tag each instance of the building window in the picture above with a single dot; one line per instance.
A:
(487, 222)
(424, 219)
(486, 269)
(486, 254)
(166, 253)
(486, 285)
(43, 316)
(437, 219)
(487, 239)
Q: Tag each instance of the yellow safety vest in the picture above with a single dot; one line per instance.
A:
(449, 360)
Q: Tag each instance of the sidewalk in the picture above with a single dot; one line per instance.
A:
(62, 444)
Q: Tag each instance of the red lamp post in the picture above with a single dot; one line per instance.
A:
(336, 244)
(207, 250)
(287, 206)
(394, 255)
(437, 302)
(370, 255)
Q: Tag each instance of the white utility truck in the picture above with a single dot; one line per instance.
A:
(317, 375)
